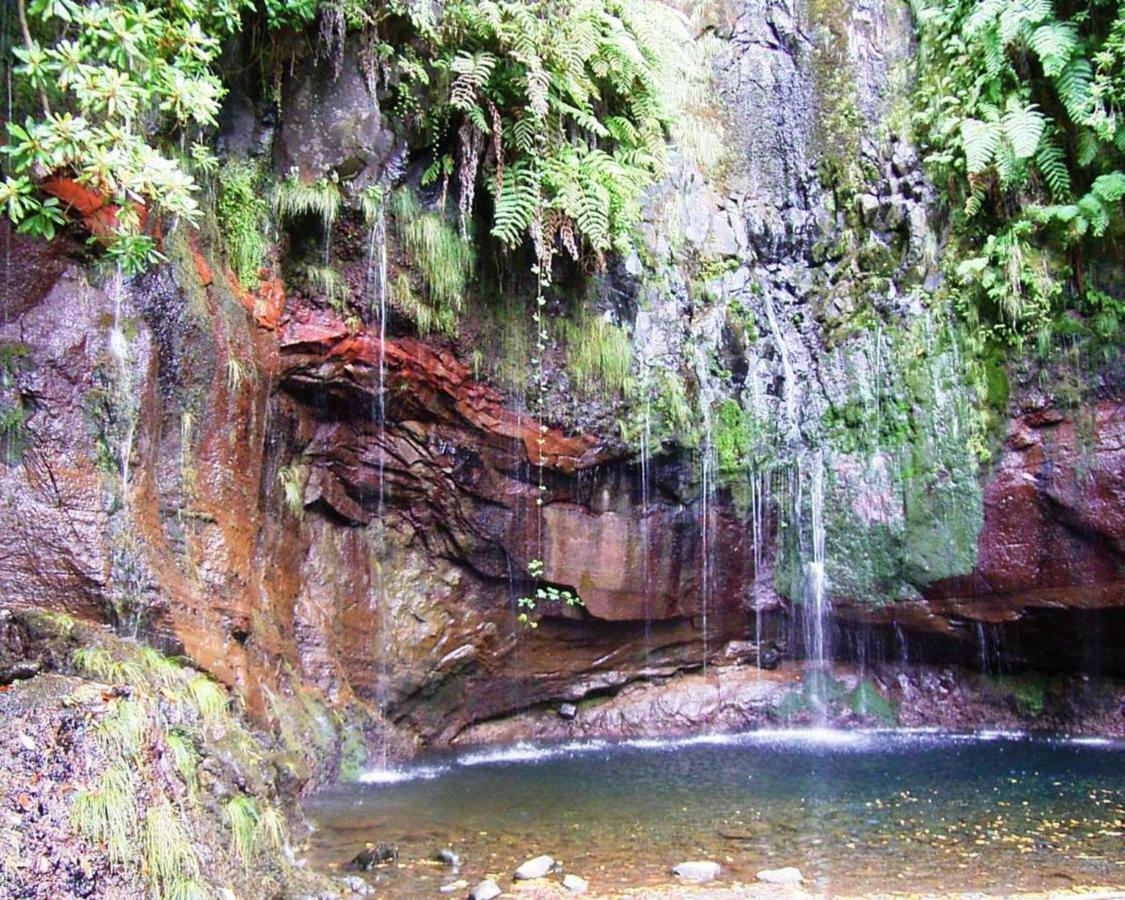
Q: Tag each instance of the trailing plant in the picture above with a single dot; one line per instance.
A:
(544, 593)
(294, 197)
(292, 480)
(559, 110)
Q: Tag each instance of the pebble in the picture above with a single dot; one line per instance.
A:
(789, 876)
(575, 885)
(27, 743)
(696, 871)
(567, 711)
(459, 885)
(486, 890)
(534, 868)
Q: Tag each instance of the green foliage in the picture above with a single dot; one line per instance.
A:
(119, 86)
(294, 197)
(561, 109)
(544, 593)
(242, 215)
(1019, 109)
(172, 865)
(329, 284)
(292, 479)
(107, 812)
(443, 259)
(866, 700)
(244, 820)
(599, 354)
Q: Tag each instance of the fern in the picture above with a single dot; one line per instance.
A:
(1050, 160)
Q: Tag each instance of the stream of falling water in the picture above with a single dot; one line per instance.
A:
(377, 288)
(646, 439)
(816, 603)
(119, 351)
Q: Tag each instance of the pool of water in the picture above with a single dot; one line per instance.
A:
(855, 811)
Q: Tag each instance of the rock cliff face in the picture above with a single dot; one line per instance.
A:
(297, 502)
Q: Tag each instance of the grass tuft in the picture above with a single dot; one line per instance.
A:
(173, 868)
(107, 812)
(293, 198)
(243, 818)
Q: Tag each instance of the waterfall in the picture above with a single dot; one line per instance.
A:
(377, 290)
(790, 384)
(646, 450)
(816, 587)
(119, 351)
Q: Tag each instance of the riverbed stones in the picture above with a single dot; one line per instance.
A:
(538, 867)
(696, 871)
(486, 890)
(575, 884)
(789, 876)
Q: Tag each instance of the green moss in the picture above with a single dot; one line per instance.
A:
(866, 701)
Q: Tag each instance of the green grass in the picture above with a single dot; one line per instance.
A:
(171, 863)
(210, 700)
(328, 283)
(123, 732)
(244, 820)
(599, 355)
(184, 756)
(242, 219)
(292, 480)
(107, 812)
(293, 198)
(443, 260)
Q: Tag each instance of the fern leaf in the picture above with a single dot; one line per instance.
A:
(1073, 86)
(1054, 43)
(1109, 188)
(1051, 163)
(981, 140)
(1023, 127)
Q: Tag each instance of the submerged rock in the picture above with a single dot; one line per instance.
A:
(459, 885)
(486, 890)
(696, 871)
(374, 855)
(575, 885)
(450, 857)
(789, 876)
(535, 868)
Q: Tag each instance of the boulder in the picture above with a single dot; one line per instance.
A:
(696, 871)
(486, 890)
(788, 876)
(535, 868)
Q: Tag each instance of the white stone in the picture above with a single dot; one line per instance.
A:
(459, 885)
(789, 876)
(696, 871)
(486, 890)
(534, 868)
(575, 885)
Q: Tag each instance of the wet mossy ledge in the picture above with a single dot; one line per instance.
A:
(132, 773)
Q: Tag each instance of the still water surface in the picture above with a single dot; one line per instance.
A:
(855, 811)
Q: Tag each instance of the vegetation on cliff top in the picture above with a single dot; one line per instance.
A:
(1019, 106)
